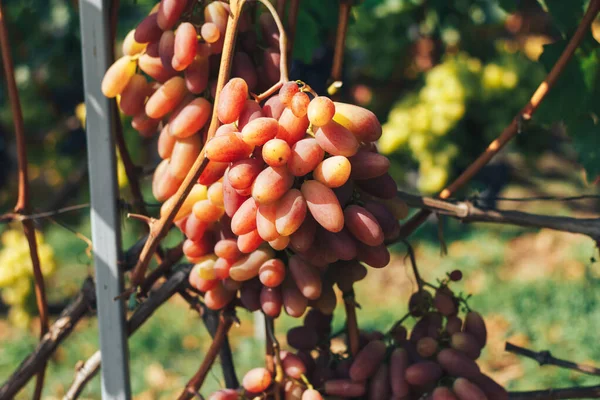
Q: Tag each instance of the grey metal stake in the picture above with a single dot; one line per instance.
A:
(95, 46)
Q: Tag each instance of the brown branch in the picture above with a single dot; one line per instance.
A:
(195, 383)
(351, 322)
(157, 298)
(582, 392)
(273, 343)
(340, 41)
(211, 321)
(159, 228)
(171, 257)
(467, 212)
(9, 217)
(23, 205)
(512, 130)
(546, 358)
(63, 326)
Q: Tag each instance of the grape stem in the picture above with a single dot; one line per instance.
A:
(275, 348)
(23, 202)
(195, 383)
(513, 128)
(467, 212)
(351, 322)
(413, 263)
(340, 44)
(546, 358)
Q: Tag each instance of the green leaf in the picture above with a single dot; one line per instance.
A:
(565, 13)
(307, 37)
(586, 141)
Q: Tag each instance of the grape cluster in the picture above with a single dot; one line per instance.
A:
(436, 361)
(16, 273)
(428, 125)
(303, 196)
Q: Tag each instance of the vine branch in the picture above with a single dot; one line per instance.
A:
(467, 212)
(340, 45)
(23, 201)
(581, 392)
(546, 358)
(513, 128)
(351, 322)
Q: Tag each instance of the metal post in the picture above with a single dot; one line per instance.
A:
(95, 45)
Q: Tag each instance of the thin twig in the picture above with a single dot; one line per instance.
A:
(467, 212)
(61, 328)
(340, 44)
(157, 298)
(512, 130)
(23, 204)
(8, 217)
(195, 383)
(546, 358)
(351, 322)
(413, 263)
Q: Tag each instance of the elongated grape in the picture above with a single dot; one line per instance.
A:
(195, 249)
(444, 302)
(153, 50)
(358, 120)
(134, 95)
(243, 67)
(373, 256)
(466, 343)
(248, 242)
(166, 48)
(195, 229)
(244, 219)
(130, 46)
(184, 154)
(148, 30)
(271, 65)
(458, 364)
(367, 165)
(427, 346)
(383, 186)
(232, 200)
(169, 12)
(260, 130)
(191, 118)
(443, 393)
(453, 325)
(292, 365)
(184, 46)
(257, 380)
(290, 212)
(205, 211)
(399, 362)
(271, 301)
(306, 155)
(294, 302)
(222, 267)
(164, 185)
(467, 390)
(303, 238)
(475, 325)
(490, 387)
(248, 266)
(250, 295)
(273, 107)
(272, 272)
(154, 68)
(299, 104)
(333, 171)
(265, 221)
(224, 394)
(344, 193)
(118, 76)
(196, 75)
(367, 360)
(251, 111)
(271, 184)
(227, 248)
(320, 111)
(306, 276)
(423, 373)
(218, 297)
(232, 100)
(227, 148)
(302, 338)
(336, 140)
(386, 220)
(379, 386)
(327, 300)
(166, 98)
(344, 388)
(363, 225)
(212, 173)
(145, 125)
(323, 205)
(210, 32)
(341, 243)
(202, 285)
(216, 12)
(292, 128)
(287, 92)
(242, 173)
(197, 193)
(281, 243)
(348, 272)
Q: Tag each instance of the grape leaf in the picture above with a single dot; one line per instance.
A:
(565, 13)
